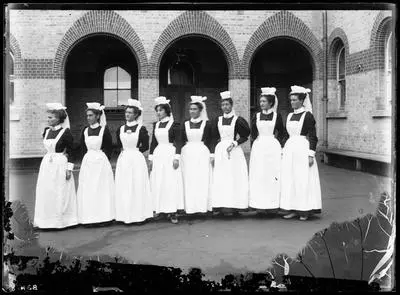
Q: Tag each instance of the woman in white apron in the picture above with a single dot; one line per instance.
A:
(266, 154)
(132, 186)
(230, 185)
(195, 158)
(96, 180)
(55, 203)
(300, 185)
(166, 175)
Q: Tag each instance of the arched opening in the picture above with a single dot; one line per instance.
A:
(280, 63)
(388, 66)
(11, 63)
(193, 66)
(99, 68)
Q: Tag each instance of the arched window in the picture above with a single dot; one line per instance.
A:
(341, 76)
(117, 87)
(388, 66)
(11, 60)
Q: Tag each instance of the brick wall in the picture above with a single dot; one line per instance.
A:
(32, 95)
(357, 128)
(43, 40)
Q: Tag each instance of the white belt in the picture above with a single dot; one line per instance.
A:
(266, 136)
(130, 149)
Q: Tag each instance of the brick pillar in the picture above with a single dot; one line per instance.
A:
(148, 91)
(318, 109)
(240, 91)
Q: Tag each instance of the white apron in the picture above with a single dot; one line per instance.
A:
(300, 185)
(230, 187)
(96, 183)
(265, 167)
(165, 182)
(55, 204)
(132, 186)
(196, 169)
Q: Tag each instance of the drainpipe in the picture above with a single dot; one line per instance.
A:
(325, 81)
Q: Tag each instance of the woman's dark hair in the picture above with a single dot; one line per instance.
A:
(270, 98)
(96, 112)
(136, 110)
(165, 107)
(198, 104)
(228, 99)
(301, 96)
(60, 114)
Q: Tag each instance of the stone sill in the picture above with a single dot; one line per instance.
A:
(361, 155)
(387, 113)
(14, 114)
(337, 115)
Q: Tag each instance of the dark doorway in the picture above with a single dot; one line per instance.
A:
(193, 66)
(100, 68)
(280, 63)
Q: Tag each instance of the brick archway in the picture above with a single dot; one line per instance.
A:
(377, 46)
(195, 23)
(99, 22)
(336, 35)
(284, 24)
(14, 46)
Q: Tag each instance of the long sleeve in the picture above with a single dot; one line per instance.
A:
(153, 143)
(177, 142)
(143, 142)
(118, 135)
(207, 135)
(254, 129)
(280, 130)
(106, 145)
(68, 141)
(311, 132)
(44, 131)
(243, 129)
(215, 136)
(83, 147)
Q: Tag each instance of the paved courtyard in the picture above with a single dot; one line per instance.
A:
(217, 245)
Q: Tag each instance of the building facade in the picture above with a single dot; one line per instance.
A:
(73, 56)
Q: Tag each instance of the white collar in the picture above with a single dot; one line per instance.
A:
(166, 119)
(94, 126)
(269, 111)
(299, 110)
(198, 120)
(131, 124)
(55, 128)
(229, 115)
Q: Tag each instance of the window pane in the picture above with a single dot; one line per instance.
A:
(110, 78)
(342, 86)
(11, 64)
(110, 98)
(342, 65)
(123, 96)
(124, 79)
(389, 53)
(11, 92)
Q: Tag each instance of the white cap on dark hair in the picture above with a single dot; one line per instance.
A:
(135, 103)
(268, 91)
(225, 95)
(299, 89)
(95, 106)
(161, 100)
(55, 106)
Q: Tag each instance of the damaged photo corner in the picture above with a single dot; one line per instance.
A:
(199, 147)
